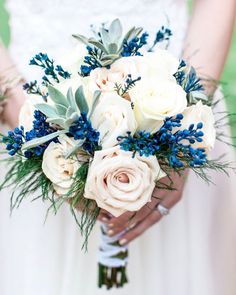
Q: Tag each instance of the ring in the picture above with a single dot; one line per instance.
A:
(163, 210)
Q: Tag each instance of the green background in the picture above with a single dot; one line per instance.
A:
(228, 78)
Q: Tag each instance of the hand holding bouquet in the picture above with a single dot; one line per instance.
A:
(103, 129)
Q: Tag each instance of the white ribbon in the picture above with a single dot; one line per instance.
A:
(107, 251)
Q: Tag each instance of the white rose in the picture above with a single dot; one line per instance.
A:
(26, 115)
(154, 100)
(161, 63)
(201, 113)
(120, 183)
(59, 170)
(113, 117)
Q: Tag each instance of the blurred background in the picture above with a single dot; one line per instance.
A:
(228, 79)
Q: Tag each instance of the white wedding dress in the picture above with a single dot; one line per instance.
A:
(190, 252)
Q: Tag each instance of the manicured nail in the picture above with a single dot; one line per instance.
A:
(110, 225)
(122, 242)
(110, 232)
(104, 219)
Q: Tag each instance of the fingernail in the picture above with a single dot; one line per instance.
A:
(110, 232)
(104, 219)
(122, 242)
(110, 225)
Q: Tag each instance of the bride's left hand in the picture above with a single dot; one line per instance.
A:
(135, 223)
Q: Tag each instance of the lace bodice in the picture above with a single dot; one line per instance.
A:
(47, 25)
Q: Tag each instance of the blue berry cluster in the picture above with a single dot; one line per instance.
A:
(91, 61)
(188, 79)
(40, 129)
(17, 137)
(14, 140)
(176, 147)
(50, 70)
(83, 130)
(132, 47)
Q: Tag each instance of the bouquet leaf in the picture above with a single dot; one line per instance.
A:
(47, 110)
(41, 140)
(57, 97)
(81, 100)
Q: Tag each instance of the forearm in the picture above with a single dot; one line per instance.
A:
(209, 36)
(14, 95)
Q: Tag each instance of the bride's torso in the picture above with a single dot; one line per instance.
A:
(47, 25)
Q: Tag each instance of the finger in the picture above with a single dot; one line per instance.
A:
(153, 217)
(169, 201)
(104, 216)
(121, 220)
(134, 220)
(129, 221)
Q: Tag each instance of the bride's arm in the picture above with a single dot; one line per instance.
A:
(209, 36)
(206, 47)
(14, 95)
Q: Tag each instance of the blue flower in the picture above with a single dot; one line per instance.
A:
(33, 88)
(91, 61)
(163, 34)
(83, 130)
(17, 137)
(14, 140)
(133, 46)
(43, 61)
(187, 78)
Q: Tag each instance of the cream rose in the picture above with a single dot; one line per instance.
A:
(59, 170)
(113, 117)
(201, 113)
(120, 183)
(154, 99)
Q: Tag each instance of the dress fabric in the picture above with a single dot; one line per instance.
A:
(190, 252)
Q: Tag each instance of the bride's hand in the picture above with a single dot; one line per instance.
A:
(134, 224)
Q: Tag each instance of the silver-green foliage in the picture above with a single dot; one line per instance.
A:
(110, 42)
(64, 111)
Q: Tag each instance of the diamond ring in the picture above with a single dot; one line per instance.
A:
(163, 210)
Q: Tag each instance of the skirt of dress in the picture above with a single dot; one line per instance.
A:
(192, 251)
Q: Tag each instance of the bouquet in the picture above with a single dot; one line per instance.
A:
(104, 127)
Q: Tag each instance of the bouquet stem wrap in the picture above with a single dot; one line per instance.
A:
(112, 261)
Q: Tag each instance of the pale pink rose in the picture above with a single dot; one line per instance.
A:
(119, 183)
(105, 79)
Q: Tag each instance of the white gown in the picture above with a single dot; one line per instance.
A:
(190, 252)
